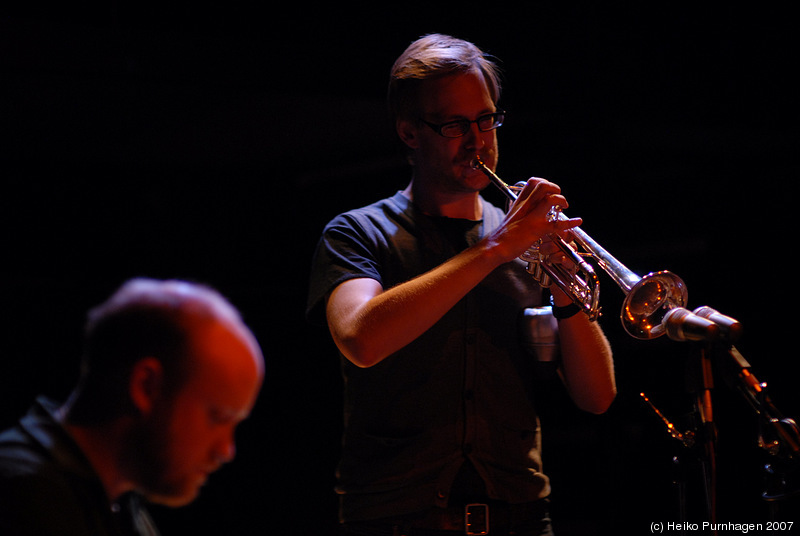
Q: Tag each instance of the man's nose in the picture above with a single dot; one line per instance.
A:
(225, 450)
(474, 137)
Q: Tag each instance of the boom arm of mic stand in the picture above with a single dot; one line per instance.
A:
(755, 393)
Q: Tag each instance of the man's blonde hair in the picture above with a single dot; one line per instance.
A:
(434, 56)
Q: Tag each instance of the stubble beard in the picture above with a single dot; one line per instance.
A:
(149, 459)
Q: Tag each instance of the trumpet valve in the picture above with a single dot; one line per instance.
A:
(534, 258)
(539, 274)
(532, 254)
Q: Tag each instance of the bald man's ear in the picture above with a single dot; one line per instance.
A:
(146, 384)
(407, 130)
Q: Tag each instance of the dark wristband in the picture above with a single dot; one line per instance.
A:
(562, 313)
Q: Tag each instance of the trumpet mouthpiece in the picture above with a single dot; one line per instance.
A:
(476, 162)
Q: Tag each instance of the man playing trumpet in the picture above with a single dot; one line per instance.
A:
(423, 294)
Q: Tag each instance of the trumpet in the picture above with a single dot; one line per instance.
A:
(648, 299)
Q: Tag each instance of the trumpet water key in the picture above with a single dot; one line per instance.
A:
(647, 299)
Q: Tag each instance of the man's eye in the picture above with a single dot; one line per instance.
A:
(455, 128)
(218, 416)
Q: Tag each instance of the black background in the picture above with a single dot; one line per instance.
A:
(212, 142)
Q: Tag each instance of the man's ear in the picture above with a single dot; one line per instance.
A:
(146, 383)
(407, 130)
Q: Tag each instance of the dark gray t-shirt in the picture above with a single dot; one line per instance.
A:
(464, 390)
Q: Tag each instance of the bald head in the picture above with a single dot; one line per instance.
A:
(169, 371)
(150, 318)
(175, 295)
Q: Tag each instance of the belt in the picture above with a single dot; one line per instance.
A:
(474, 519)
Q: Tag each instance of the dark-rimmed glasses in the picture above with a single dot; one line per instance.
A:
(459, 127)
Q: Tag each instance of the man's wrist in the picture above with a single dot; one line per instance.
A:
(562, 312)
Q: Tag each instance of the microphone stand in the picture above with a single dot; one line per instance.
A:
(683, 325)
(687, 441)
(718, 332)
(778, 436)
(704, 408)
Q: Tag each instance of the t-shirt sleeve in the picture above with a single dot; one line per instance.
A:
(345, 251)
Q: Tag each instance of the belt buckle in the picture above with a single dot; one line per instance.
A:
(476, 519)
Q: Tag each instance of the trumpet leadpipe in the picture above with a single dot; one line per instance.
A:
(478, 164)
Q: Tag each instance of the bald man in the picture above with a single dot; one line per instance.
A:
(169, 371)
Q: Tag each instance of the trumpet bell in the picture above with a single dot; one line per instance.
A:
(649, 300)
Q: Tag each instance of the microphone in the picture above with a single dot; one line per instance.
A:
(729, 328)
(683, 325)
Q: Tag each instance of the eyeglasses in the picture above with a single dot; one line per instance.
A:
(456, 129)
